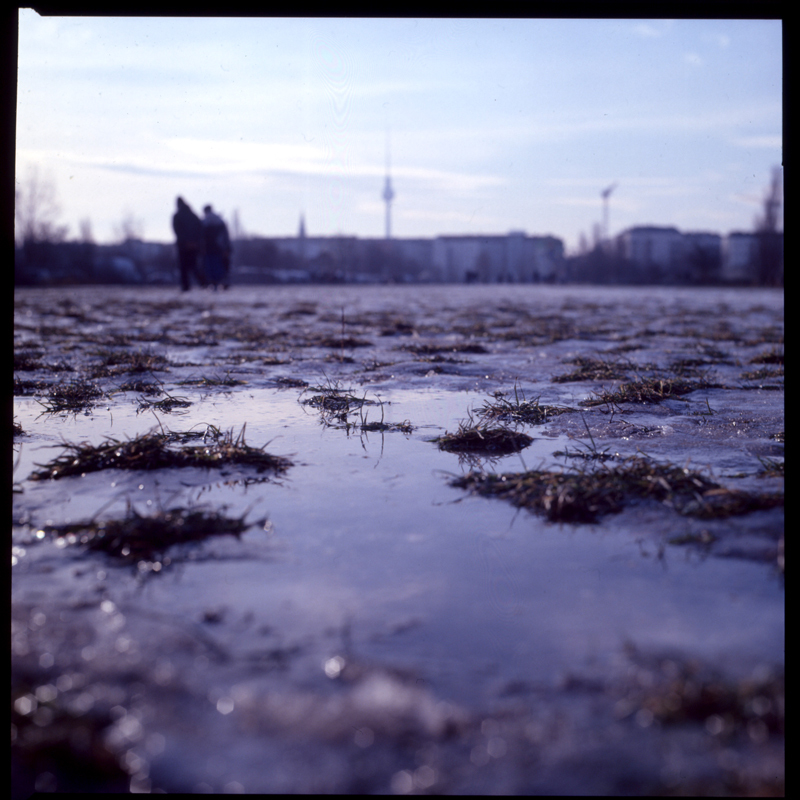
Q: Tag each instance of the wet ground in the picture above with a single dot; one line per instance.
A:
(372, 627)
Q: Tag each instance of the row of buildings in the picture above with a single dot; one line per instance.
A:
(665, 254)
(644, 254)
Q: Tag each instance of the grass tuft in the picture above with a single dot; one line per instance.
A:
(482, 437)
(127, 361)
(773, 356)
(581, 496)
(676, 692)
(333, 402)
(520, 409)
(647, 390)
(595, 369)
(153, 451)
(74, 397)
(224, 380)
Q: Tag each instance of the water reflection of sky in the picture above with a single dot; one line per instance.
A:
(365, 532)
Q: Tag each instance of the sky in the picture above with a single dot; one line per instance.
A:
(486, 125)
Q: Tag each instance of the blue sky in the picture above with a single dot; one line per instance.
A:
(493, 125)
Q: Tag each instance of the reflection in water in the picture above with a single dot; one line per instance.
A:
(374, 628)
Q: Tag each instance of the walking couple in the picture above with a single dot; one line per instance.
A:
(207, 238)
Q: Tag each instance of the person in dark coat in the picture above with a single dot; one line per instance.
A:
(189, 238)
(217, 248)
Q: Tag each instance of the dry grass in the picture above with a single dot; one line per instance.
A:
(482, 437)
(595, 369)
(167, 404)
(334, 402)
(773, 356)
(152, 451)
(28, 361)
(143, 387)
(582, 496)
(520, 409)
(218, 380)
(138, 361)
(771, 468)
(647, 390)
(73, 397)
(675, 692)
(764, 372)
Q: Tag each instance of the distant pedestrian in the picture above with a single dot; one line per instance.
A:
(189, 237)
(217, 248)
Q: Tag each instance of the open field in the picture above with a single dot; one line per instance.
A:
(439, 539)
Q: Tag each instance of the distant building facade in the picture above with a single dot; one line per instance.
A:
(652, 254)
(740, 258)
(639, 255)
(514, 258)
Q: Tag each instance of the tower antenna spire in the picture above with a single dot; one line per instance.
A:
(605, 194)
(388, 192)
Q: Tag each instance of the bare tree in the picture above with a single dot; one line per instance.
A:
(36, 209)
(129, 228)
(770, 240)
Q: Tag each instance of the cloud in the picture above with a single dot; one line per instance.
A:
(653, 29)
(719, 39)
(646, 30)
(767, 141)
(204, 159)
(693, 59)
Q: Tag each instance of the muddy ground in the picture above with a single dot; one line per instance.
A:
(245, 560)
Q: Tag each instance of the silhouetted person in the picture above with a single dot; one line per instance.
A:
(217, 248)
(189, 237)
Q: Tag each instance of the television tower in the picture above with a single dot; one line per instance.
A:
(605, 194)
(388, 193)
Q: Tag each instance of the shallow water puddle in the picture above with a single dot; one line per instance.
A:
(373, 622)
(363, 533)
